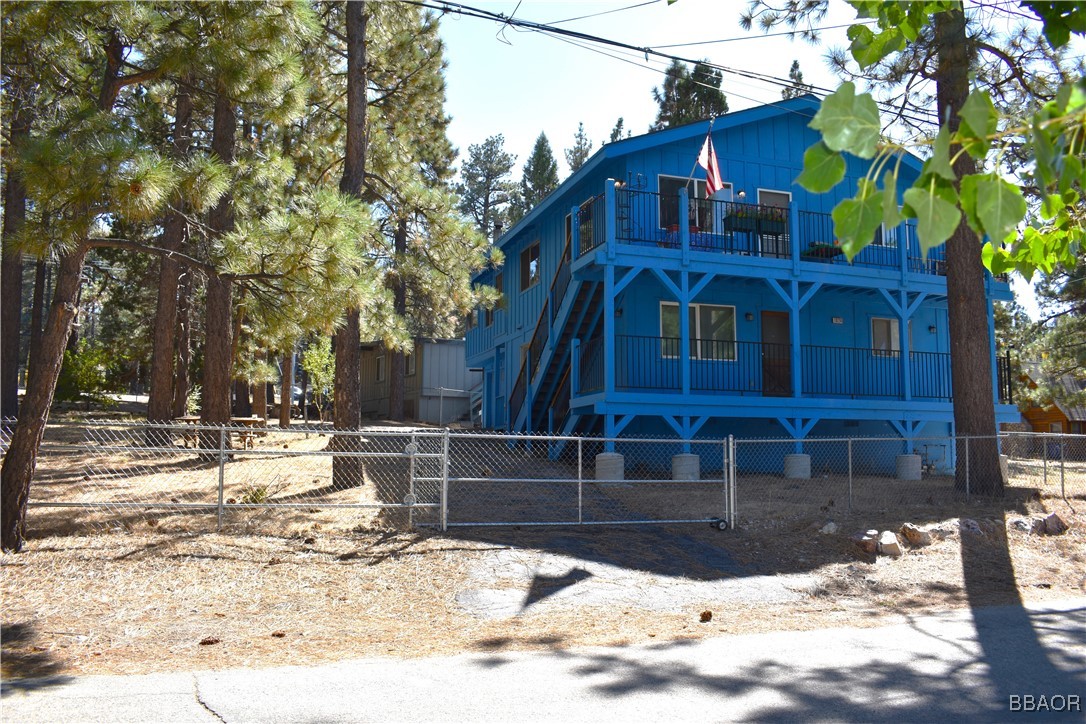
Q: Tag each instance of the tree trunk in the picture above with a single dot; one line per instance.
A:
(286, 393)
(161, 396)
(397, 368)
(243, 406)
(347, 472)
(218, 319)
(11, 266)
(260, 400)
(22, 454)
(37, 312)
(183, 343)
(967, 304)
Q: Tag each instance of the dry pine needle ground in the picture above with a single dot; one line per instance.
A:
(138, 602)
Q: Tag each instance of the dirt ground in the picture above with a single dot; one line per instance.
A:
(147, 597)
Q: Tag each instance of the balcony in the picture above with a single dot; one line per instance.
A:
(651, 220)
(758, 369)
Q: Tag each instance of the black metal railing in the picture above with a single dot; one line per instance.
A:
(591, 365)
(851, 372)
(765, 369)
(1005, 374)
(591, 224)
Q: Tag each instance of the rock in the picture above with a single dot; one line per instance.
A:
(970, 526)
(829, 529)
(1054, 525)
(889, 545)
(1026, 526)
(914, 536)
(867, 542)
(706, 616)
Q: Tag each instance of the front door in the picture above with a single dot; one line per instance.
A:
(776, 355)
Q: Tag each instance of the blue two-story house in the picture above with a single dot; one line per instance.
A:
(633, 305)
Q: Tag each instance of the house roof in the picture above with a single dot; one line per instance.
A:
(805, 106)
(1068, 385)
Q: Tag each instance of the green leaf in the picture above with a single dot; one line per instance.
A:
(979, 121)
(868, 48)
(1000, 205)
(855, 220)
(849, 122)
(939, 163)
(891, 214)
(936, 218)
(968, 200)
(1051, 206)
(822, 169)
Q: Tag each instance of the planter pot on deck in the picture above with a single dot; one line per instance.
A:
(686, 466)
(740, 223)
(797, 466)
(908, 467)
(772, 226)
(610, 466)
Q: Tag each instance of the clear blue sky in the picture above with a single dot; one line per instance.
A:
(518, 83)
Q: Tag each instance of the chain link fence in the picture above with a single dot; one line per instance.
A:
(272, 480)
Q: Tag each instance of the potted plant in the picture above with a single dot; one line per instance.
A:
(822, 251)
(741, 217)
(772, 219)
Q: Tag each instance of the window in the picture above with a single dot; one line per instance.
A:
(490, 312)
(1056, 427)
(380, 368)
(669, 200)
(409, 362)
(712, 331)
(529, 267)
(885, 337)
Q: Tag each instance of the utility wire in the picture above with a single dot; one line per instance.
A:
(605, 12)
(444, 6)
(759, 37)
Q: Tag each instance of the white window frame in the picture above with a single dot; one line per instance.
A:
(380, 364)
(409, 363)
(695, 332)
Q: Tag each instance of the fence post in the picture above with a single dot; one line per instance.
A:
(414, 448)
(1063, 491)
(580, 480)
(967, 482)
(1044, 458)
(222, 476)
(445, 483)
(732, 467)
(850, 475)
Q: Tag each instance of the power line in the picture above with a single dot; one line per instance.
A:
(444, 6)
(764, 35)
(605, 12)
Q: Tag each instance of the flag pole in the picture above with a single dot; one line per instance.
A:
(690, 178)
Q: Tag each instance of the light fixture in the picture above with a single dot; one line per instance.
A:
(742, 194)
(749, 316)
(837, 320)
(931, 329)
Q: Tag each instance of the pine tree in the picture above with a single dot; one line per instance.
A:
(798, 87)
(485, 189)
(582, 149)
(539, 179)
(616, 132)
(688, 96)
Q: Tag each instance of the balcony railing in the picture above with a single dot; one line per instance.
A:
(765, 369)
(649, 219)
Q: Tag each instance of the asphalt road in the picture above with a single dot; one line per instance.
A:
(966, 665)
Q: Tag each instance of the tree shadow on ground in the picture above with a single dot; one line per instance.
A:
(26, 665)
